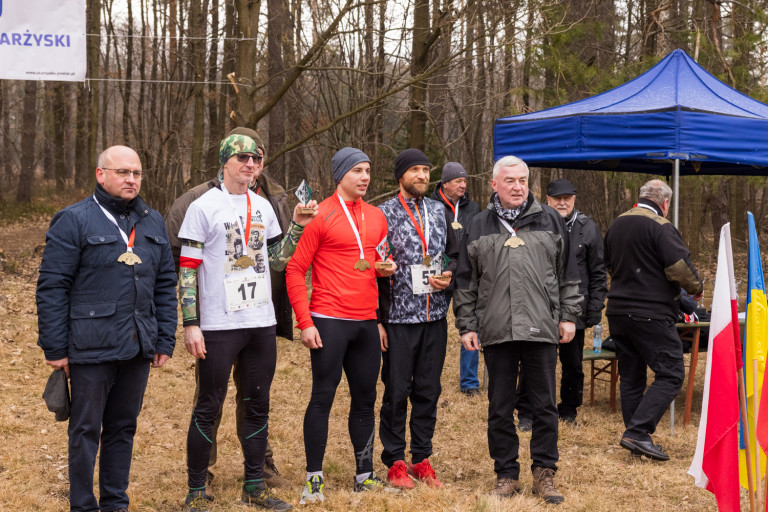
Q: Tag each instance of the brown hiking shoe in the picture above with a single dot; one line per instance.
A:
(272, 476)
(544, 485)
(506, 487)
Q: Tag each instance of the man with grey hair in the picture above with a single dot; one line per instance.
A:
(649, 263)
(517, 294)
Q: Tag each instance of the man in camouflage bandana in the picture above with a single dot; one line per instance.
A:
(228, 237)
(269, 189)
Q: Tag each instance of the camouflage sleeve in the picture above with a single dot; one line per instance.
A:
(280, 253)
(188, 284)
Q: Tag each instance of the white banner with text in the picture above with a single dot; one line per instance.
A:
(42, 40)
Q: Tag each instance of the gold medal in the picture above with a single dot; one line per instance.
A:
(129, 258)
(427, 261)
(362, 265)
(245, 262)
(514, 242)
(456, 225)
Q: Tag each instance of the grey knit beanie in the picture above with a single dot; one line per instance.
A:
(451, 171)
(344, 160)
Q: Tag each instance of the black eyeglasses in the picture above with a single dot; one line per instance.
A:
(243, 158)
(124, 173)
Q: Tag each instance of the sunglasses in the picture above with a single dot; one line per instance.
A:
(243, 158)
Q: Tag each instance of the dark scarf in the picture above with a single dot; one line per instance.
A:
(117, 206)
(569, 222)
(507, 214)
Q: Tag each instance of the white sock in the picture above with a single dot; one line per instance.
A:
(362, 477)
(310, 474)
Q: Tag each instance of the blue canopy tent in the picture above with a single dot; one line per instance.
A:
(674, 119)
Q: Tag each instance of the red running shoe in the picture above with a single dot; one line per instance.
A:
(398, 476)
(424, 472)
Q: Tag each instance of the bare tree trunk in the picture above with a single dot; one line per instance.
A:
(60, 122)
(197, 73)
(128, 87)
(28, 148)
(248, 28)
(214, 95)
(419, 63)
(94, 45)
(276, 31)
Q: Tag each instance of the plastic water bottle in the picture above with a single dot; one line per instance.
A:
(597, 341)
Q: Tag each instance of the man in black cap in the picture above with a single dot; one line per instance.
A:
(451, 191)
(587, 246)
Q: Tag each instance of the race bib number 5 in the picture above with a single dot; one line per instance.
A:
(420, 278)
(245, 290)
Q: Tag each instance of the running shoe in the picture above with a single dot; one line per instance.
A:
(423, 472)
(313, 490)
(265, 499)
(398, 476)
(372, 483)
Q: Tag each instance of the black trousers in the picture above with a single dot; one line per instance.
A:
(643, 343)
(354, 347)
(571, 381)
(106, 400)
(411, 371)
(538, 360)
(256, 350)
(239, 413)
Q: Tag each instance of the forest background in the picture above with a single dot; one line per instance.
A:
(171, 77)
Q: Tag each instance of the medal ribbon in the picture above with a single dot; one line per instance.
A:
(352, 223)
(419, 231)
(128, 240)
(509, 228)
(454, 209)
(247, 231)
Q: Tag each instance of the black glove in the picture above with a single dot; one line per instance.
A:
(593, 318)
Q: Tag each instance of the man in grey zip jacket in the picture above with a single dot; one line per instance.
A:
(517, 295)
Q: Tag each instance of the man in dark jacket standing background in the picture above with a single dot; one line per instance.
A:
(106, 306)
(587, 246)
(649, 263)
(452, 192)
(517, 293)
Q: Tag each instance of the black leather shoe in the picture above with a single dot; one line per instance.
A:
(471, 392)
(647, 448)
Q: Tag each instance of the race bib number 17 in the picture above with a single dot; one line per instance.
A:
(245, 290)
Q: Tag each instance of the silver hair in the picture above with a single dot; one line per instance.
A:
(656, 190)
(508, 161)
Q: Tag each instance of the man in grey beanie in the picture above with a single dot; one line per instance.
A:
(339, 323)
(452, 193)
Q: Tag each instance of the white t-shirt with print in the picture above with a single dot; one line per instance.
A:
(211, 220)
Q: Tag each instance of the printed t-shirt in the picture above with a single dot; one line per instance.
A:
(211, 220)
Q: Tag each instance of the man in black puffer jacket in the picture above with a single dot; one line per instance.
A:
(106, 308)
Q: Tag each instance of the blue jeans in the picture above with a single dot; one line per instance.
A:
(468, 361)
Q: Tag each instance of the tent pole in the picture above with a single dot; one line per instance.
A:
(675, 221)
(676, 194)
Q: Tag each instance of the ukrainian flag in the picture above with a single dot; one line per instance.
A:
(755, 345)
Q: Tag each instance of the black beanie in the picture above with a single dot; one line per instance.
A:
(407, 159)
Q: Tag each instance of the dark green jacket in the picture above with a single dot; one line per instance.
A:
(516, 293)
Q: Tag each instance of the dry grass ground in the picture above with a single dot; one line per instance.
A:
(595, 473)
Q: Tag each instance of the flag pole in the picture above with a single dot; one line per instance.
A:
(748, 457)
(756, 406)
